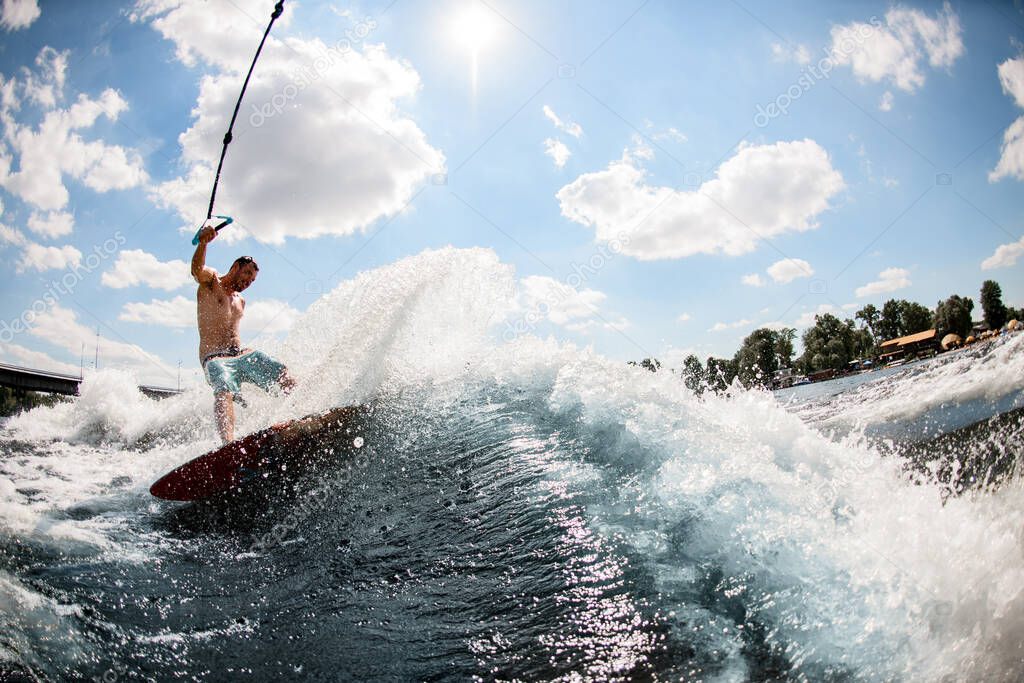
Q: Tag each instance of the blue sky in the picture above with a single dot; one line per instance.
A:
(646, 135)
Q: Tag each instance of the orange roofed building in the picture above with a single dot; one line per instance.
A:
(907, 347)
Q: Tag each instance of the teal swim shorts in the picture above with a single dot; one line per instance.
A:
(255, 367)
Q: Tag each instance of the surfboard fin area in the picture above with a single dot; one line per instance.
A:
(256, 456)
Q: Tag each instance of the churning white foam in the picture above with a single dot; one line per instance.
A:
(826, 541)
(989, 373)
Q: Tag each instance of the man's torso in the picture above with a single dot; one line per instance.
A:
(219, 312)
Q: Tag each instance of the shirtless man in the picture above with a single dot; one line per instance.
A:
(225, 363)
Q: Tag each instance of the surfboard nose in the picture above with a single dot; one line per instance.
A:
(214, 472)
(239, 462)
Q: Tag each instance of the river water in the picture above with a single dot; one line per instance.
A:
(520, 509)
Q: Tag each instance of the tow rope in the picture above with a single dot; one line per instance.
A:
(278, 9)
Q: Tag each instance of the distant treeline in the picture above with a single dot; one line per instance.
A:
(833, 343)
(12, 402)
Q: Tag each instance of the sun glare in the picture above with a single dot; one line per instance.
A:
(474, 27)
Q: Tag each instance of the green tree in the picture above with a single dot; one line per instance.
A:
(900, 318)
(915, 317)
(954, 316)
(693, 374)
(863, 343)
(13, 402)
(651, 364)
(831, 343)
(870, 316)
(720, 373)
(992, 304)
(757, 361)
(784, 346)
(1014, 313)
(890, 323)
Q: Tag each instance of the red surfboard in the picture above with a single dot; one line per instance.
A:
(251, 457)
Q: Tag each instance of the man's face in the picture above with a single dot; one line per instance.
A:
(244, 276)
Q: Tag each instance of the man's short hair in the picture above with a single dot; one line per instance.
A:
(242, 260)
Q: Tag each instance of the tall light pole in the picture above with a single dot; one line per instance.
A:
(179, 376)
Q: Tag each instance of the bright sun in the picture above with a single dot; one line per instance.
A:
(474, 27)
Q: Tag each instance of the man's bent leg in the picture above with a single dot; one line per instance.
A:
(224, 410)
(221, 375)
(264, 372)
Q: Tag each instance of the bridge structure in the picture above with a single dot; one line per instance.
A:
(28, 379)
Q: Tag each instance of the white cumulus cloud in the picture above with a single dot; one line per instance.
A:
(762, 191)
(719, 326)
(885, 104)
(45, 153)
(16, 354)
(889, 280)
(753, 279)
(1006, 255)
(178, 312)
(321, 146)
(670, 134)
(557, 150)
(220, 33)
(135, 266)
(789, 269)
(59, 326)
(1011, 77)
(570, 128)
(797, 53)
(11, 236)
(18, 14)
(37, 257)
(43, 85)
(52, 224)
(557, 301)
(895, 50)
(1011, 158)
(267, 317)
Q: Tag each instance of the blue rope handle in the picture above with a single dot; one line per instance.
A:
(228, 220)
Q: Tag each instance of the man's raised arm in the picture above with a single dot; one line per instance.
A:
(203, 274)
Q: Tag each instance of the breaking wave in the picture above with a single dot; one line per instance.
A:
(523, 509)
